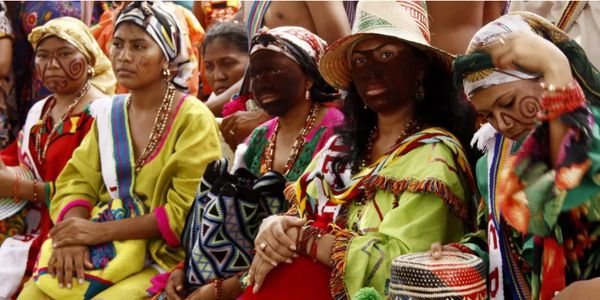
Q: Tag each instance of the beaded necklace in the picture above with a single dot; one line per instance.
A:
(158, 128)
(41, 150)
(299, 143)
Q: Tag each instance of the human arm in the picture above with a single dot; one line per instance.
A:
(330, 19)
(581, 290)
(236, 127)
(199, 13)
(216, 102)
(6, 57)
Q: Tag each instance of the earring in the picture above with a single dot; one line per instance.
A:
(307, 94)
(91, 73)
(166, 73)
(420, 95)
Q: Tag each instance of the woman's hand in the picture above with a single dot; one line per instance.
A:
(437, 248)
(7, 180)
(236, 127)
(174, 288)
(272, 243)
(68, 260)
(258, 272)
(530, 53)
(580, 290)
(78, 232)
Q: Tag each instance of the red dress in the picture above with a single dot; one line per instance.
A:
(60, 149)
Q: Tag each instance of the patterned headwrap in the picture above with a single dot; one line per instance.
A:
(476, 69)
(79, 36)
(158, 21)
(303, 47)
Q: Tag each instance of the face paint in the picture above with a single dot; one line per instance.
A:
(385, 73)
(277, 82)
(511, 107)
(62, 68)
(136, 58)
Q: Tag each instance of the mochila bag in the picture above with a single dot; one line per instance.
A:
(221, 226)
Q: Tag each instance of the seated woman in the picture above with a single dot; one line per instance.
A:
(152, 166)
(287, 84)
(73, 67)
(393, 180)
(539, 179)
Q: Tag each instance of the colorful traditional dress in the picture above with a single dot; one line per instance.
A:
(419, 192)
(254, 158)
(166, 185)
(541, 220)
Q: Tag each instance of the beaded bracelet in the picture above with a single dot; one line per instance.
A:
(16, 190)
(462, 248)
(35, 193)
(218, 284)
(559, 101)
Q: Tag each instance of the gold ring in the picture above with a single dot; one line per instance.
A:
(231, 132)
(263, 246)
(502, 41)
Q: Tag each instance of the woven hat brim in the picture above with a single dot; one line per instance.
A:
(8, 206)
(334, 64)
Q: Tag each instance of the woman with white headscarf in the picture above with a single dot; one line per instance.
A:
(541, 96)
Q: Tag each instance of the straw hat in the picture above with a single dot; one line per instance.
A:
(404, 20)
(455, 276)
(8, 206)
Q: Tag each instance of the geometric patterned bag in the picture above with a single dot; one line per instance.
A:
(221, 226)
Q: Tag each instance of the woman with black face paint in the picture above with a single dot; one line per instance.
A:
(393, 179)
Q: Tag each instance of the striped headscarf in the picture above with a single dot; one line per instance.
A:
(303, 47)
(158, 21)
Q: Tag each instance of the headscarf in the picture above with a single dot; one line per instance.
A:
(158, 21)
(476, 69)
(79, 36)
(303, 47)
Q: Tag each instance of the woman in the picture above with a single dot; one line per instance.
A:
(394, 179)
(539, 92)
(72, 66)
(225, 53)
(157, 163)
(286, 83)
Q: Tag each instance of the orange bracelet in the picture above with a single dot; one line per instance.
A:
(16, 190)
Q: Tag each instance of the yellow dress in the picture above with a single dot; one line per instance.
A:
(166, 185)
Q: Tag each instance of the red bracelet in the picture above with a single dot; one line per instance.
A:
(315, 244)
(218, 283)
(462, 248)
(557, 102)
(16, 190)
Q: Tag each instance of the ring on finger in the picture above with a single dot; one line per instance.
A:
(231, 132)
(502, 41)
(263, 246)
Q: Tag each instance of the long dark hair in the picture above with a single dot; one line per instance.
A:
(443, 106)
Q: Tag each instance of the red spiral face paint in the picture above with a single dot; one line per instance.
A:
(62, 68)
(511, 108)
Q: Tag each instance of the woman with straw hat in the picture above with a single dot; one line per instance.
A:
(541, 96)
(394, 178)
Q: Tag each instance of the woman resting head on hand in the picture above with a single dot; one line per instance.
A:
(539, 92)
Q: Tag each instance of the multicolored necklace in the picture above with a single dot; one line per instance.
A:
(158, 128)
(41, 150)
(299, 143)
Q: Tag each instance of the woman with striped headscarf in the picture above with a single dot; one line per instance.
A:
(121, 201)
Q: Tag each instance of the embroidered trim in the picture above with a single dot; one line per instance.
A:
(339, 251)
(79, 202)
(165, 229)
(428, 185)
